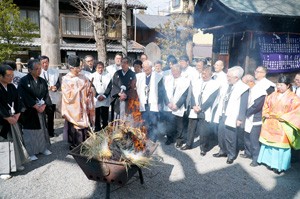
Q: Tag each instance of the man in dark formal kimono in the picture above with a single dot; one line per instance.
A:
(12, 151)
(34, 94)
(122, 90)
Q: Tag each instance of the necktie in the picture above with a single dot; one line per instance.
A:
(297, 91)
(226, 98)
(201, 93)
(147, 88)
(46, 76)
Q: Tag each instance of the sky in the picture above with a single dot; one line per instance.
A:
(155, 5)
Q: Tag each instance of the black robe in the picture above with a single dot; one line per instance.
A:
(128, 80)
(7, 97)
(30, 91)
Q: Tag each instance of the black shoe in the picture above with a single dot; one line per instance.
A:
(245, 156)
(229, 161)
(218, 155)
(178, 144)
(253, 164)
(202, 153)
(185, 147)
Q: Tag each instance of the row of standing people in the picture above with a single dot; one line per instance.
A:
(188, 100)
(191, 101)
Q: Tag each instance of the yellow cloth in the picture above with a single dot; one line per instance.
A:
(281, 128)
(77, 102)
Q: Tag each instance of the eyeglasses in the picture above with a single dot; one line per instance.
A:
(257, 71)
(9, 75)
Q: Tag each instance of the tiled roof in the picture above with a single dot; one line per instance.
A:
(150, 21)
(289, 8)
(132, 46)
(130, 3)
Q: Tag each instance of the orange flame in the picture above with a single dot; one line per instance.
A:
(134, 109)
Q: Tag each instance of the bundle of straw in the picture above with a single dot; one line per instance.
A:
(119, 142)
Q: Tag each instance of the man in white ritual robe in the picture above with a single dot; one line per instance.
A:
(233, 114)
(253, 120)
(261, 80)
(176, 95)
(149, 87)
(204, 92)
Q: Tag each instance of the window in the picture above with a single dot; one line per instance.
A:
(33, 15)
(76, 26)
(175, 3)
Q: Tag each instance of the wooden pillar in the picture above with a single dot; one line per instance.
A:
(124, 28)
(49, 30)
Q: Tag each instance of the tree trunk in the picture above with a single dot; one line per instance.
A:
(99, 31)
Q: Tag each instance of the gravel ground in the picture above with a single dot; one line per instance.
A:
(181, 174)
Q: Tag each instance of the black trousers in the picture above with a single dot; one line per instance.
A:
(179, 125)
(221, 135)
(252, 144)
(192, 130)
(76, 136)
(231, 142)
(101, 115)
(50, 111)
(150, 119)
(205, 131)
(198, 127)
(168, 121)
(227, 139)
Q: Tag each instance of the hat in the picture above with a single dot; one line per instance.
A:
(74, 61)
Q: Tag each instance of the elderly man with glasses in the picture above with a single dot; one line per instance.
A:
(261, 80)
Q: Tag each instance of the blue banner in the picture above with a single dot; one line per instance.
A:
(280, 52)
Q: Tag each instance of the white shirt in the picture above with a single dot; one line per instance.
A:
(51, 76)
(111, 69)
(101, 82)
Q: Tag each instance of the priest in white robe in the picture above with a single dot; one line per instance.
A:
(149, 87)
(253, 120)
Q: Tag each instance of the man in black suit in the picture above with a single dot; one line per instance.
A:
(89, 64)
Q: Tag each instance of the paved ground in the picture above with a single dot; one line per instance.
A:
(181, 174)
